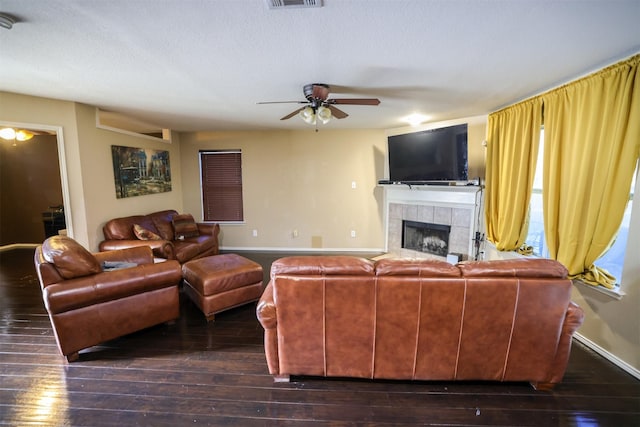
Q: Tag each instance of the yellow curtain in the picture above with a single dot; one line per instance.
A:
(592, 142)
(512, 149)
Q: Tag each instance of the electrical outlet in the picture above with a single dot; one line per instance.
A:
(255, 233)
(353, 184)
(295, 233)
(353, 233)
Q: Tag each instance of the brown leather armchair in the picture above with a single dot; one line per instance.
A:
(92, 298)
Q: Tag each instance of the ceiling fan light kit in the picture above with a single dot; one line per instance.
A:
(308, 115)
(324, 114)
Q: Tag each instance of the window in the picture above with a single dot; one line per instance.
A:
(535, 236)
(221, 182)
(611, 261)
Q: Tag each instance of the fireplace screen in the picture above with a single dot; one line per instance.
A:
(426, 237)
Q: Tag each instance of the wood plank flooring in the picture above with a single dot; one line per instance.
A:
(194, 373)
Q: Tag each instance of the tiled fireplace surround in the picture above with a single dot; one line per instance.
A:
(455, 206)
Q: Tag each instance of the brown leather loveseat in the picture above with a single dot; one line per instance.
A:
(92, 298)
(345, 316)
(169, 234)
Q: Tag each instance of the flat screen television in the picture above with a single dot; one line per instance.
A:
(430, 156)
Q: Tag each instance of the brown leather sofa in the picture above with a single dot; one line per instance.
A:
(88, 305)
(121, 233)
(342, 316)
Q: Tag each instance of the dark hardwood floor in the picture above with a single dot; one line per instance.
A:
(194, 373)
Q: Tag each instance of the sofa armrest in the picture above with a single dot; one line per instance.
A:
(573, 319)
(109, 286)
(208, 228)
(137, 255)
(266, 313)
(161, 248)
(266, 308)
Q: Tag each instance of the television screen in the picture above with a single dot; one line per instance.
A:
(431, 155)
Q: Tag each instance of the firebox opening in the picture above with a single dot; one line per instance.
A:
(426, 237)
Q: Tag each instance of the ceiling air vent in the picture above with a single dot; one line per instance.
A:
(287, 4)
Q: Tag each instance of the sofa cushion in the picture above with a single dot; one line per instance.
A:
(144, 233)
(415, 267)
(184, 226)
(162, 221)
(520, 267)
(69, 257)
(122, 228)
(322, 265)
(117, 265)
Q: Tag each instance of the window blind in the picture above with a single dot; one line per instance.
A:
(221, 175)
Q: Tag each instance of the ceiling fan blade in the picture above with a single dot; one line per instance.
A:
(282, 102)
(293, 113)
(354, 101)
(338, 114)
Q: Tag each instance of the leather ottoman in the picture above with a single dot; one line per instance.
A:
(220, 282)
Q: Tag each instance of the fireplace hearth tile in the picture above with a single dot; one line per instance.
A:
(460, 217)
(426, 214)
(442, 215)
(410, 212)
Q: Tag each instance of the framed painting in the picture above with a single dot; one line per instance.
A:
(140, 171)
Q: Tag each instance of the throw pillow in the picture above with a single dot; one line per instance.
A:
(144, 234)
(117, 265)
(69, 257)
(184, 226)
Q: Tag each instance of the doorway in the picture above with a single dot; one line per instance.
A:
(34, 195)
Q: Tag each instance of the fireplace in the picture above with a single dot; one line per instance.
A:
(457, 208)
(426, 237)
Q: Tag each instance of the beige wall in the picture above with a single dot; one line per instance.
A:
(302, 181)
(87, 154)
(15, 108)
(98, 179)
(299, 180)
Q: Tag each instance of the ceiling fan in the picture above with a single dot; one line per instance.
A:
(320, 106)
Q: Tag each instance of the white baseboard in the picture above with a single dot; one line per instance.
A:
(607, 355)
(295, 249)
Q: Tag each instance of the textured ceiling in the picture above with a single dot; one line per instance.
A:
(204, 64)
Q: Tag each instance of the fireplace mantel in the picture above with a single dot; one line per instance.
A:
(457, 206)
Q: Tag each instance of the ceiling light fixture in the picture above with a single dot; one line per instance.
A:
(311, 113)
(11, 134)
(415, 119)
(6, 21)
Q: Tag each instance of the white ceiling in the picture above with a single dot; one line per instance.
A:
(204, 64)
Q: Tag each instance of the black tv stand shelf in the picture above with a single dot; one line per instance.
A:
(428, 183)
